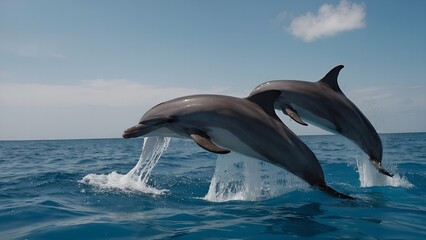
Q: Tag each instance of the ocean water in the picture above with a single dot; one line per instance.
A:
(105, 189)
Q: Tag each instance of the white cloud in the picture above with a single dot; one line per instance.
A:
(100, 92)
(91, 109)
(329, 21)
(104, 108)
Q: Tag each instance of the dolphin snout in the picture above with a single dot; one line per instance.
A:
(134, 132)
(380, 168)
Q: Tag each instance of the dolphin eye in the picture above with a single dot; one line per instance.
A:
(170, 120)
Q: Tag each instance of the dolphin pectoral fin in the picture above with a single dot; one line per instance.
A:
(288, 110)
(380, 168)
(334, 193)
(204, 141)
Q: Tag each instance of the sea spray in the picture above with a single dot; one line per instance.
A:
(137, 178)
(238, 177)
(152, 149)
(370, 177)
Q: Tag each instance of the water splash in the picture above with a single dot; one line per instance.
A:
(137, 178)
(242, 178)
(369, 177)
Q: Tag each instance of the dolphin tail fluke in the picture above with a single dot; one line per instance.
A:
(380, 168)
(334, 193)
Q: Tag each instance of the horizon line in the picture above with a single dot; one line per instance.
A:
(109, 138)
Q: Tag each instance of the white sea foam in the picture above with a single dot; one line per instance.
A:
(238, 177)
(137, 178)
(369, 177)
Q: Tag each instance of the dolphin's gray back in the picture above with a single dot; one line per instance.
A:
(266, 136)
(327, 109)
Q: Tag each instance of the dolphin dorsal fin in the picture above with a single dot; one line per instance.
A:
(330, 79)
(266, 100)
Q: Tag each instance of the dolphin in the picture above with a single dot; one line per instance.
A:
(249, 126)
(323, 104)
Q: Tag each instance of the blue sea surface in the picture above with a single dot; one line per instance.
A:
(80, 189)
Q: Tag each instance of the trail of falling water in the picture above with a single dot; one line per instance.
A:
(152, 149)
(238, 177)
(369, 177)
(137, 178)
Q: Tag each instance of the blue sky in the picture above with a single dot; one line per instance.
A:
(90, 69)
